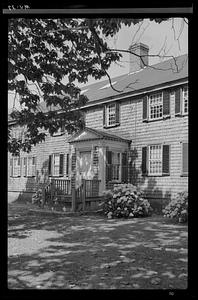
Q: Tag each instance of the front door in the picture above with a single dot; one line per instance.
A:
(85, 165)
(84, 169)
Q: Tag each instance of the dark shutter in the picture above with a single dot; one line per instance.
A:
(178, 101)
(67, 164)
(61, 165)
(184, 158)
(117, 108)
(19, 166)
(104, 115)
(11, 167)
(166, 160)
(145, 109)
(166, 103)
(144, 160)
(34, 166)
(50, 165)
(108, 166)
(25, 167)
(124, 173)
(73, 162)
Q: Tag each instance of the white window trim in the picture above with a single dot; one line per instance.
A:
(107, 115)
(183, 174)
(182, 91)
(31, 166)
(149, 160)
(120, 167)
(149, 105)
(52, 166)
(16, 172)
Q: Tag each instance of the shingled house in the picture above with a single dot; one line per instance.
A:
(137, 135)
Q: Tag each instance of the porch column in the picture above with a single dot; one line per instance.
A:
(95, 162)
(73, 169)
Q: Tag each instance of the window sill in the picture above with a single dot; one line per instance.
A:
(156, 175)
(184, 175)
(110, 126)
(115, 181)
(181, 115)
(159, 119)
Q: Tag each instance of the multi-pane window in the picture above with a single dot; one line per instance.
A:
(155, 160)
(111, 114)
(155, 106)
(56, 164)
(116, 166)
(185, 99)
(31, 166)
(185, 158)
(15, 167)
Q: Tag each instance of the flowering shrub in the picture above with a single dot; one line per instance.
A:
(37, 197)
(125, 200)
(178, 208)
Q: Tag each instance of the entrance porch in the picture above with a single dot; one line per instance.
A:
(98, 159)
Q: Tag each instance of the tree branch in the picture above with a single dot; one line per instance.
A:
(98, 45)
(149, 55)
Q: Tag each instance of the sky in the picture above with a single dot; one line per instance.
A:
(171, 36)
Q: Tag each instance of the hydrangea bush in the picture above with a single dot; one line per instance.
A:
(37, 197)
(178, 208)
(125, 201)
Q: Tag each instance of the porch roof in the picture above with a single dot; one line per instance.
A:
(88, 134)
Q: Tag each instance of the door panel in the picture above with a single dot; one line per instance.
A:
(84, 169)
(85, 165)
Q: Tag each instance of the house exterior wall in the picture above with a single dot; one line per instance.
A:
(27, 185)
(172, 131)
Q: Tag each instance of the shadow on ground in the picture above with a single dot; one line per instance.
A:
(91, 252)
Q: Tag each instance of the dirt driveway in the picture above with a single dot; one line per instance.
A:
(51, 251)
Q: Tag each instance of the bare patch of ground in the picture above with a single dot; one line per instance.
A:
(47, 251)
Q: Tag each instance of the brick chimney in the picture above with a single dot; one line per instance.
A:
(136, 63)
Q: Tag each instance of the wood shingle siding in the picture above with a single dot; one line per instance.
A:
(42, 151)
(166, 103)
(132, 123)
(178, 101)
(170, 131)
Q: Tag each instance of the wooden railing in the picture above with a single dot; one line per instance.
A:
(62, 186)
(59, 188)
(91, 188)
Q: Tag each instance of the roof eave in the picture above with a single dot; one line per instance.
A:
(137, 93)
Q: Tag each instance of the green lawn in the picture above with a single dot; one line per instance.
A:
(52, 251)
